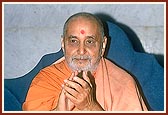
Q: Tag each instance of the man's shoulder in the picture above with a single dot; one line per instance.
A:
(118, 73)
(55, 66)
(55, 71)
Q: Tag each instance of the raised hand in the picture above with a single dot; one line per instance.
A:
(81, 92)
(64, 104)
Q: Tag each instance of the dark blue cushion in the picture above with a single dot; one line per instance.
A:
(142, 66)
(10, 101)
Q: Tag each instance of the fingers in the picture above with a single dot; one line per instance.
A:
(72, 75)
(71, 85)
(84, 81)
(86, 77)
(75, 85)
(79, 91)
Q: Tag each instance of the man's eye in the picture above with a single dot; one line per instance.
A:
(90, 42)
(73, 41)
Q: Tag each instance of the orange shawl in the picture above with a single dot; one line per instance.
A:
(116, 90)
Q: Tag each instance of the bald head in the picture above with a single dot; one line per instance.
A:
(86, 16)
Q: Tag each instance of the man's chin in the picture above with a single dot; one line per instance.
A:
(80, 67)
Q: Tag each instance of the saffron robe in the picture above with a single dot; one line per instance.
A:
(116, 90)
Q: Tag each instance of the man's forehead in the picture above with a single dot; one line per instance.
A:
(82, 26)
(82, 20)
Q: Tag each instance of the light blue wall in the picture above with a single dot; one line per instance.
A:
(32, 30)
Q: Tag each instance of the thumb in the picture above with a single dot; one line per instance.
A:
(61, 105)
(64, 103)
(86, 78)
(72, 75)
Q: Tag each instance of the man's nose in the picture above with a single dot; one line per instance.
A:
(81, 49)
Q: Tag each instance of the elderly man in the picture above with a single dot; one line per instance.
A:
(83, 80)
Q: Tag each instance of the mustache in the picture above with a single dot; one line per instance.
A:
(81, 57)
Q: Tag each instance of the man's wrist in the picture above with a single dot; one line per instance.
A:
(94, 107)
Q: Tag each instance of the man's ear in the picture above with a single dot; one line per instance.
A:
(104, 45)
(62, 43)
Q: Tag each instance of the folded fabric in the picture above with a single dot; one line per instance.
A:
(116, 90)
